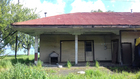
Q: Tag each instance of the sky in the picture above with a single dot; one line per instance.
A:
(56, 7)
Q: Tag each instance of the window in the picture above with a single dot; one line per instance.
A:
(88, 46)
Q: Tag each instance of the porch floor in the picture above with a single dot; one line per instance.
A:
(83, 64)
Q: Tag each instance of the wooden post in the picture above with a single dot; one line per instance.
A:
(16, 47)
(76, 49)
(36, 49)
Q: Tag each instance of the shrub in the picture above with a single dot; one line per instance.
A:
(87, 64)
(97, 64)
(69, 64)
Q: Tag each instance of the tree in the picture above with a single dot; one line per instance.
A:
(110, 11)
(99, 10)
(10, 13)
(24, 41)
(23, 14)
(4, 22)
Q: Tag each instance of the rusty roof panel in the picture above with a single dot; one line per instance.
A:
(87, 18)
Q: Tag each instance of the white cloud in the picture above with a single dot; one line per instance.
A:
(112, 0)
(135, 6)
(83, 6)
(50, 8)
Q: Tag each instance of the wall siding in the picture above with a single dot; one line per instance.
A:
(49, 43)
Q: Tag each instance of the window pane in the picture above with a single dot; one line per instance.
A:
(88, 46)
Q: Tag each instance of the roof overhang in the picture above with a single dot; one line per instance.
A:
(79, 29)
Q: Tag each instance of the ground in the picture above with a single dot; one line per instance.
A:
(74, 70)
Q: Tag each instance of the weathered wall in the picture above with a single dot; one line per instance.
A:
(68, 51)
(49, 43)
(129, 36)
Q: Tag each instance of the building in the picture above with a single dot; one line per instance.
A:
(81, 37)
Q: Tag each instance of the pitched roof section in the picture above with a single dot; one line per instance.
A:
(110, 18)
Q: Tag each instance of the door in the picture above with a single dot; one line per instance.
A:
(127, 53)
(89, 50)
(114, 50)
(68, 51)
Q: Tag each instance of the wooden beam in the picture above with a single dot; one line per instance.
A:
(16, 48)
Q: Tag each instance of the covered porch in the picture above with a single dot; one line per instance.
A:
(80, 44)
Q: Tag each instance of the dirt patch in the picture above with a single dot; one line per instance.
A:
(74, 70)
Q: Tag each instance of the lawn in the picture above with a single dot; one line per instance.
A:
(23, 68)
(9, 57)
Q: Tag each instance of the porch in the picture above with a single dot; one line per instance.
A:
(84, 64)
(90, 47)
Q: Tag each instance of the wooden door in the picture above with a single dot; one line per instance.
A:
(127, 53)
(89, 51)
(114, 50)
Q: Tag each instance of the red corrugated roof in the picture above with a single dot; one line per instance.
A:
(107, 18)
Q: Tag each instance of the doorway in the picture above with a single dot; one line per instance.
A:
(114, 50)
(89, 56)
(127, 53)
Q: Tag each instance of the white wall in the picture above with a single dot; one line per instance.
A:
(49, 43)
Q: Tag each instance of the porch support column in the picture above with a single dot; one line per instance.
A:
(36, 49)
(76, 49)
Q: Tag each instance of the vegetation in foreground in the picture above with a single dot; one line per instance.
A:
(19, 70)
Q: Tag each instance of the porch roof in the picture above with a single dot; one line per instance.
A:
(86, 18)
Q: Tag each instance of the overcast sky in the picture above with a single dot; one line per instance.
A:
(55, 7)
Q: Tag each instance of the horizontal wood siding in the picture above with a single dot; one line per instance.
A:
(68, 51)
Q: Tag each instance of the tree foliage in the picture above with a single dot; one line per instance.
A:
(10, 13)
(99, 10)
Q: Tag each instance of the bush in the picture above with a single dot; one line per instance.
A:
(22, 71)
(97, 64)
(69, 64)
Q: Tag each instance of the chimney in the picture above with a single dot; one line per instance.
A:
(131, 10)
(45, 13)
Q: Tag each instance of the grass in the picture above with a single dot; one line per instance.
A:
(5, 64)
(23, 68)
(97, 64)
(87, 64)
(39, 63)
(69, 64)
(22, 71)
(31, 57)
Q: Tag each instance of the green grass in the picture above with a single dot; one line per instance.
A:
(69, 64)
(87, 64)
(22, 71)
(23, 68)
(97, 64)
(31, 57)
(24, 59)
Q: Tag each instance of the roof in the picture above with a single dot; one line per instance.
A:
(87, 18)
